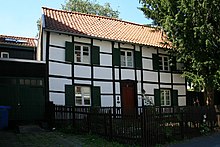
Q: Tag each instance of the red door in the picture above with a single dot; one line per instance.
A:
(129, 102)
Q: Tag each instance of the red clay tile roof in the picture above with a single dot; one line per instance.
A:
(101, 27)
(17, 41)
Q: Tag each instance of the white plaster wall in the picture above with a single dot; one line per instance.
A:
(82, 71)
(138, 72)
(81, 39)
(165, 77)
(165, 86)
(139, 100)
(39, 49)
(139, 90)
(118, 99)
(58, 84)
(105, 46)
(116, 74)
(106, 101)
(105, 60)
(148, 51)
(181, 89)
(59, 39)
(130, 46)
(57, 54)
(127, 74)
(60, 69)
(150, 76)
(115, 45)
(44, 46)
(162, 51)
(117, 87)
(137, 48)
(177, 78)
(102, 73)
(82, 82)
(106, 87)
(147, 64)
(182, 101)
(57, 98)
(149, 88)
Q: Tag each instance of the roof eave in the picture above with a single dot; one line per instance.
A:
(99, 38)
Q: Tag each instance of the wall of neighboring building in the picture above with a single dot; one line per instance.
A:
(106, 75)
(18, 52)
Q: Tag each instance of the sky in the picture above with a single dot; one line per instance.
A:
(19, 17)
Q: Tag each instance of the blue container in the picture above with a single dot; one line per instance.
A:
(4, 116)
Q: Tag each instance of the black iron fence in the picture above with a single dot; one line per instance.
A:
(149, 126)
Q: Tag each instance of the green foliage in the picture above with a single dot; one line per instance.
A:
(193, 28)
(204, 129)
(91, 7)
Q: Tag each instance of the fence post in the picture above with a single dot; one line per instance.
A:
(143, 127)
(110, 123)
(181, 125)
(50, 114)
(89, 121)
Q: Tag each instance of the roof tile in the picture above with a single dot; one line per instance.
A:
(102, 27)
(18, 41)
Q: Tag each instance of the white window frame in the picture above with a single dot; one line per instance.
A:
(163, 60)
(165, 97)
(4, 53)
(124, 61)
(83, 58)
(83, 96)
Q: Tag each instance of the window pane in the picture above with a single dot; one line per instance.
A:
(87, 102)
(33, 82)
(21, 81)
(164, 63)
(78, 100)
(77, 48)
(129, 59)
(83, 96)
(5, 56)
(129, 54)
(122, 53)
(27, 82)
(40, 82)
(77, 53)
(85, 51)
(123, 63)
(129, 64)
(85, 59)
(78, 90)
(165, 98)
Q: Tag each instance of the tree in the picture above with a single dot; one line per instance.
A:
(86, 6)
(193, 28)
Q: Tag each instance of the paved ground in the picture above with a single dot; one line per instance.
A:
(204, 141)
(38, 139)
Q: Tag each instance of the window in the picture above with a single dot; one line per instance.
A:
(4, 55)
(82, 96)
(127, 58)
(32, 82)
(82, 54)
(165, 97)
(164, 63)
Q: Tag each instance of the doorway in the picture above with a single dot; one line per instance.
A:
(129, 97)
